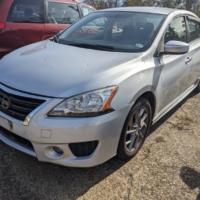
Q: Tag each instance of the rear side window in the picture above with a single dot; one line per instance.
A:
(26, 11)
(176, 31)
(194, 29)
(86, 10)
(62, 13)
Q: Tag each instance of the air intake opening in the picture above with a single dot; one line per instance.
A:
(83, 149)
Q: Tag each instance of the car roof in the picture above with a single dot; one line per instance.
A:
(156, 10)
(71, 1)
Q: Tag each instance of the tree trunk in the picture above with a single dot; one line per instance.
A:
(196, 6)
(189, 4)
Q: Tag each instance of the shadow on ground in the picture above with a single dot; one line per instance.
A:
(24, 177)
(191, 178)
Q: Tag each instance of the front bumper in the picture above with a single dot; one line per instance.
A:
(45, 132)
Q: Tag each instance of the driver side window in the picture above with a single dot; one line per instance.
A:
(176, 31)
(62, 13)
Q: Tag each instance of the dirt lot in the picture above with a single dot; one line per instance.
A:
(167, 167)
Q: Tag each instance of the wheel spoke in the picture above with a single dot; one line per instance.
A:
(137, 118)
(128, 142)
(135, 125)
(143, 119)
(141, 112)
(130, 132)
(132, 139)
(143, 125)
(141, 135)
(137, 140)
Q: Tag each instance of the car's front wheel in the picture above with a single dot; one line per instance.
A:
(135, 129)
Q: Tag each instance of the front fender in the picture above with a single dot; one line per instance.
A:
(134, 84)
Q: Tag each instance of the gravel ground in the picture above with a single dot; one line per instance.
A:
(167, 167)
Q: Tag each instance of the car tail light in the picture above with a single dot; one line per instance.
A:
(2, 25)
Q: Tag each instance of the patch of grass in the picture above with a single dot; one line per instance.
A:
(160, 139)
(182, 121)
(146, 153)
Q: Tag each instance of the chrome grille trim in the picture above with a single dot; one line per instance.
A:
(22, 95)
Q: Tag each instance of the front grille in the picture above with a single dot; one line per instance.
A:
(20, 107)
(83, 148)
(11, 136)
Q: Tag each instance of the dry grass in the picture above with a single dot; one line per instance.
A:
(160, 139)
(182, 120)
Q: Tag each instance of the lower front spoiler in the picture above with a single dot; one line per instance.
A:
(15, 144)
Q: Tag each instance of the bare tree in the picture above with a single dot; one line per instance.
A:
(101, 4)
(196, 3)
(189, 4)
(165, 3)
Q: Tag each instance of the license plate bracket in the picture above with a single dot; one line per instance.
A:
(5, 123)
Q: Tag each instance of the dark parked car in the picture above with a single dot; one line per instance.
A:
(23, 22)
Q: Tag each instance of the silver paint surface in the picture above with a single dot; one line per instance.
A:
(57, 71)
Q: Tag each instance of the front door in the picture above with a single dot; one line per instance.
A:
(60, 16)
(176, 68)
(194, 40)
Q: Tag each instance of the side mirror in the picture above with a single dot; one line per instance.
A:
(176, 47)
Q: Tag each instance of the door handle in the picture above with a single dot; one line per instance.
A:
(188, 59)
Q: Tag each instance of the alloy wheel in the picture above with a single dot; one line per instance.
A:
(136, 129)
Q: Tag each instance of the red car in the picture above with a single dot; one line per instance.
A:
(23, 22)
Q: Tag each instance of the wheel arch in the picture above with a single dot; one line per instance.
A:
(152, 100)
(149, 93)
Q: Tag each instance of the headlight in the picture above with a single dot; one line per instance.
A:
(87, 104)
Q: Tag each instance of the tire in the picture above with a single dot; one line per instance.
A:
(135, 130)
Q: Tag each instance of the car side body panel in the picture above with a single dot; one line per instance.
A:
(166, 82)
(4, 8)
(195, 50)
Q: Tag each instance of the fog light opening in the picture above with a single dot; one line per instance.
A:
(58, 150)
(54, 152)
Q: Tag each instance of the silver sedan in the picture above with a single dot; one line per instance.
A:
(93, 91)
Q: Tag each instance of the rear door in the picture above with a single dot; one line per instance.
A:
(59, 16)
(4, 8)
(194, 40)
(24, 24)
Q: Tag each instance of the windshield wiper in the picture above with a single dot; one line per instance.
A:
(92, 46)
(54, 39)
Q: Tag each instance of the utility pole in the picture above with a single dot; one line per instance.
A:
(116, 3)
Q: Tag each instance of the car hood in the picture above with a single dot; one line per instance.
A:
(54, 70)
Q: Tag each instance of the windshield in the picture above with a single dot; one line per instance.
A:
(113, 31)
